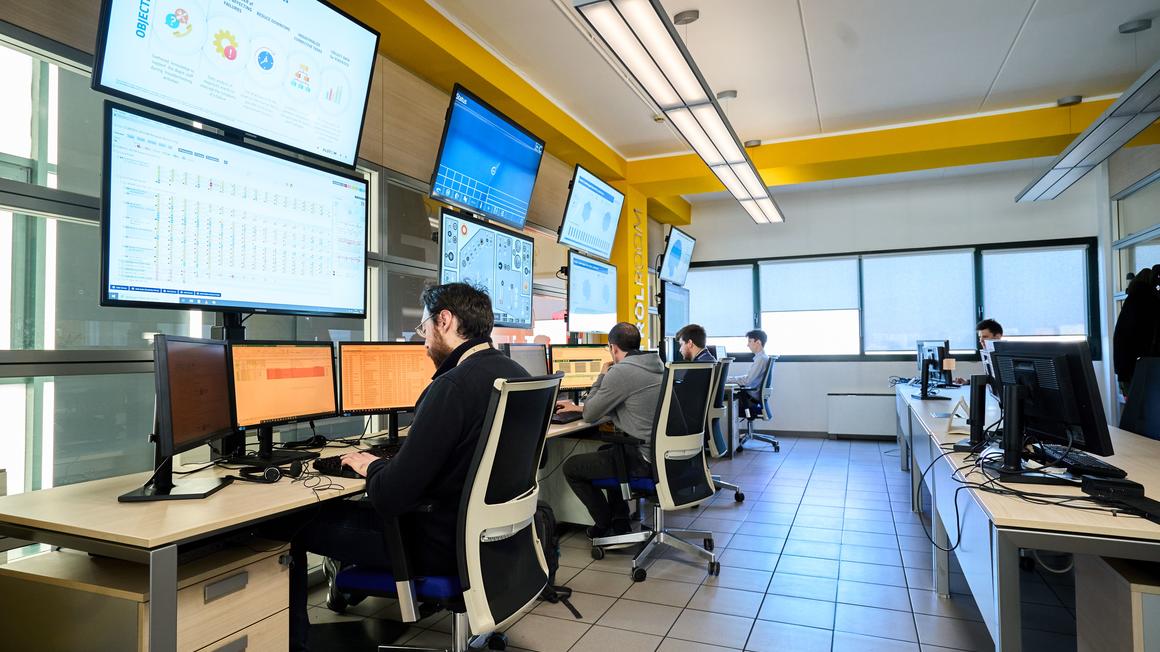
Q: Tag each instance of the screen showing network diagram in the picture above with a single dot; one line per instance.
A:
(193, 221)
(495, 260)
(591, 216)
(591, 295)
(295, 72)
(487, 164)
(678, 255)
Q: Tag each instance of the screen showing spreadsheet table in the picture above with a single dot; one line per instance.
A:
(282, 383)
(379, 377)
(581, 364)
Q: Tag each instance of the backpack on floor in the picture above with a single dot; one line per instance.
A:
(545, 524)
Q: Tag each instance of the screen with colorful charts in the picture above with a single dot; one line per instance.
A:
(678, 255)
(591, 295)
(487, 164)
(192, 221)
(592, 215)
(495, 260)
(294, 72)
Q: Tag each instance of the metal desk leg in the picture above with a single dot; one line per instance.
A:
(163, 599)
(1009, 634)
(942, 559)
(731, 423)
(915, 487)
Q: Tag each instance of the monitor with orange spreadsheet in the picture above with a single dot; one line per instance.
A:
(282, 382)
(381, 377)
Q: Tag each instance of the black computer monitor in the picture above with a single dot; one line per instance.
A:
(581, 363)
(532, 357)
(193, 408)
(933, 353)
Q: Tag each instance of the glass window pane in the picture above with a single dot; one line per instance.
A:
(404, 309)
(811, 332)
(548, 323)
(16, 72)
(830, 284)
(1145, 254)
(721, 299)
(1139, 211)
(411, 219)
(1038, 291)
(922, 296)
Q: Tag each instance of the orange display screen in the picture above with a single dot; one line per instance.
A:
(581, 364)
(282, 382)
(381, 377)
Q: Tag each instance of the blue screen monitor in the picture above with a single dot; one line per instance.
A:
(292, 72)
(678, 255)
(493, 259)
(193, 221)
(591, 295)
(487, 163)
(676, 307)
(591, 215)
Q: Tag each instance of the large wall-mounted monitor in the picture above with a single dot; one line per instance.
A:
(487, 163)
(378, 377)
(676, 308)
(591, 215)
(591, 295)
(678, 255)
(190, 220)
(493, 259)
(291, 72)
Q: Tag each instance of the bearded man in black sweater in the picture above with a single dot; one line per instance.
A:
(431, 466)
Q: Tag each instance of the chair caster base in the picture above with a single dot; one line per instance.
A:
(639, 575)
(739, 497)
(714, 568)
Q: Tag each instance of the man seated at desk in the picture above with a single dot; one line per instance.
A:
(430, 467)
(988, 330)
(692, 340)
(755, 341)
(627, 389)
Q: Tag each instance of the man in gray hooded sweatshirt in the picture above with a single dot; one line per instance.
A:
(627, 390)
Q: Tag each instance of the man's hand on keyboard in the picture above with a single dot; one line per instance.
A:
(359, 461)
(568, 406)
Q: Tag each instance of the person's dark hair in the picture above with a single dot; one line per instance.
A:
(989, 325)
(757, 334)
(1143, 283)
(625, 336)
(470, 305)
(694, 333)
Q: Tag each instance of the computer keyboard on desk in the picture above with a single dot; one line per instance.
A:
(333, 465)
(566, 417)
(1076, 462)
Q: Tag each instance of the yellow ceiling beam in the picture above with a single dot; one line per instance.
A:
(986, 139)
(422, 40)
(670, 210)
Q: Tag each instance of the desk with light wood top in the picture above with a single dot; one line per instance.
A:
(990, 528)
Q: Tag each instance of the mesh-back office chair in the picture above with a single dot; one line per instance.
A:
(754, 406)
(501, 563)
(718, 428)
(1142, 410)
(679, 477)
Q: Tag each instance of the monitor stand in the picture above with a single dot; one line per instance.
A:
(267, 456)
(161, 487)
(924, 387)
(1011, 469)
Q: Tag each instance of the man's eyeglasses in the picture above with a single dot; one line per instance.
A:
(422, 328)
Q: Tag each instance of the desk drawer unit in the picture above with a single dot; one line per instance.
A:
(230, 602)
(267, 635)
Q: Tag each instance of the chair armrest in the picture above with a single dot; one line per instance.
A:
(401, 565)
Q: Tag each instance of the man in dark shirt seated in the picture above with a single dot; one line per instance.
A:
(431, 466)
(692, 340)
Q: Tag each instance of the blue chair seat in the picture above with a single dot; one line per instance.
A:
(379, 581)
(647, 485)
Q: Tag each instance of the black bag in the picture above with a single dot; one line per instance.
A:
(545, 524)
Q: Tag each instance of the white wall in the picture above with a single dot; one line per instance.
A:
(952, 210)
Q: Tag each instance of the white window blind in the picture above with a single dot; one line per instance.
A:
(919, 296)
(721, 299)
(1037, 292)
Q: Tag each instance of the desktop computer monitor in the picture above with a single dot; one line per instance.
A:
(282, 382)
(936, 350)
(581, 363)
(1060, 401)
(532, 357)
(382, 377)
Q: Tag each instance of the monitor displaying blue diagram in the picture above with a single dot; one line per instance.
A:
(678, 255)
(592, 215)
(591, 295)
(492, 259)
(487, 164)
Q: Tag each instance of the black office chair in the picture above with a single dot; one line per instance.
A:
(501, 563)
(679, 477)
(754, 405)
(718, 428)
(1142, 410)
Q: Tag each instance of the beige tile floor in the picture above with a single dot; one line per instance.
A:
(824, 554)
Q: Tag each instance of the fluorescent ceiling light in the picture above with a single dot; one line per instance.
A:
(1138, 107)
(645, 41)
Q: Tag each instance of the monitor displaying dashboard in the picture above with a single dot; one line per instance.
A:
(493, 259)
(487, 164)
(591, 295)
(676, 308)
(379, 377)
(678, 255)
(190, 220)
(282, 382)
(292, 72)
(591, 215)
(580, 363)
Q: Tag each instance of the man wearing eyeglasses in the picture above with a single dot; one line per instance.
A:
(627, 390)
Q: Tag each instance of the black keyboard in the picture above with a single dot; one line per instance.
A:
(566, 417)
(1076, 462)
(333, 465)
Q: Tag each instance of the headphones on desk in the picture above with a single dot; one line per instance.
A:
(268, 474)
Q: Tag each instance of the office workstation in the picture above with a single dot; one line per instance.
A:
(579, 324)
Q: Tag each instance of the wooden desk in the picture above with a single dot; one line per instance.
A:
(990, 528)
